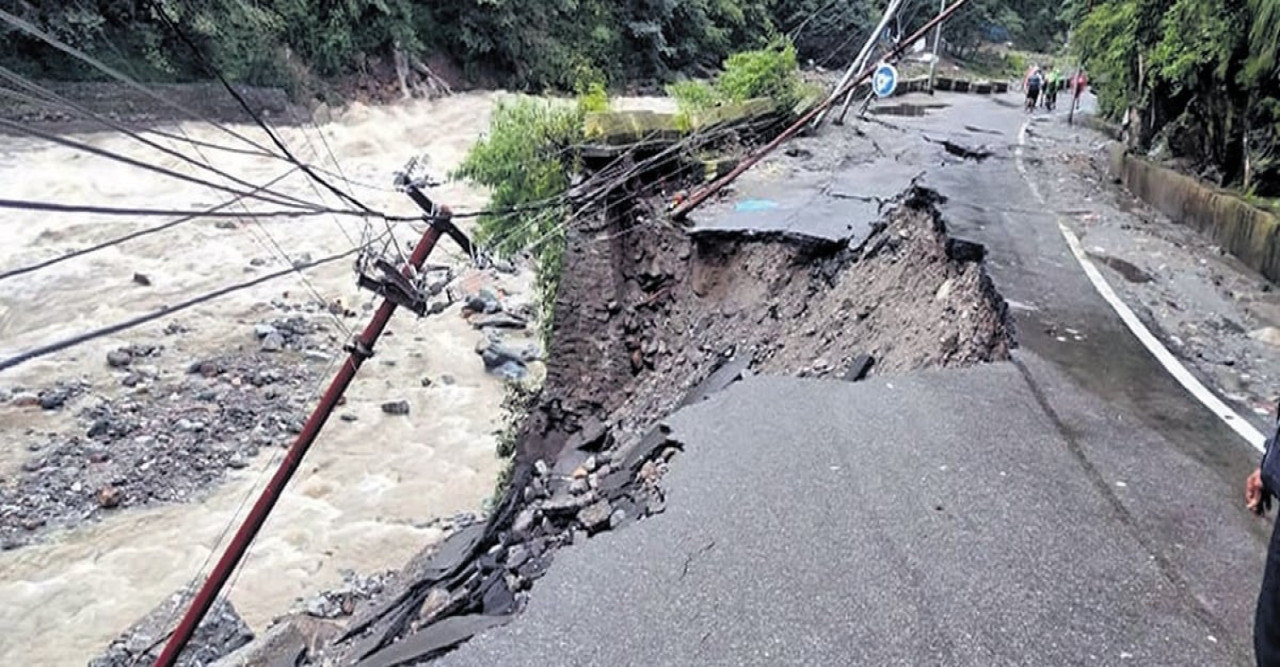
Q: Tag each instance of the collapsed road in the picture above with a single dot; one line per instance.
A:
(1072, 505)
(1059, 503)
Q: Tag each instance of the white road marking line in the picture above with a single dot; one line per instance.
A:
(1140, 330)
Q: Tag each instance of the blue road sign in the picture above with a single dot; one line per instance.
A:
(885, 80)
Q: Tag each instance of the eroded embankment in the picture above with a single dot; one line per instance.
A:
(648, 318)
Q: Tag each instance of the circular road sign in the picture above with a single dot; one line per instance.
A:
(885, 80)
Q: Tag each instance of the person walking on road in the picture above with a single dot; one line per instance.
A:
(1033, 83)
(1259, 490)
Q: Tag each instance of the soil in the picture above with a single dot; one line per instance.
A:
(645, 310)
(648, 318)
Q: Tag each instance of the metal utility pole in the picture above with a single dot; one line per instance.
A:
(937, 39)
(701, 196)
(397, 289)
(860, 62)
(866, 55)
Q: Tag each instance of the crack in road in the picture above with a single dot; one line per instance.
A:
(689, 558)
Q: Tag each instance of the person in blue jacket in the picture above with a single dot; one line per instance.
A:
(1259, 490)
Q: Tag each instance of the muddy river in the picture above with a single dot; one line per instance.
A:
(368, 488)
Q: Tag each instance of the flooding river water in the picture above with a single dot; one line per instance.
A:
(367, 489)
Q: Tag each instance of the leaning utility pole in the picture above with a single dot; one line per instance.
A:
(861, 61)
(848, 99)
(937, 39)
(701, 196)
(397, 289)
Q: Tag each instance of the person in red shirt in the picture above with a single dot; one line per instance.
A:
(1081, 82)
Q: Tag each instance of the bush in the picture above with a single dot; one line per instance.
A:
(527, 160)
(770, 72)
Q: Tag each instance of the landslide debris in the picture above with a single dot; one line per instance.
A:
(648, 318)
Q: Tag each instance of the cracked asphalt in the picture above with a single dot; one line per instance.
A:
(1074, 506)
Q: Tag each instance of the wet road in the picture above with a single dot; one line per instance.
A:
(1073, 506)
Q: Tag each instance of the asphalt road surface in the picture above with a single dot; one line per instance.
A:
(1075, 506)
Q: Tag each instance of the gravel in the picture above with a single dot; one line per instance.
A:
(165, 440)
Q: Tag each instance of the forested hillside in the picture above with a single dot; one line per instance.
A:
(526, 44)
(1198, 80)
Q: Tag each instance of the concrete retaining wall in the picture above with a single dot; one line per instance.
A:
(1249, 233)
(614, 128)
(921, 85)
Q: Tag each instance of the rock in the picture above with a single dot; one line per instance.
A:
(225, 224)
(221, 632)
(302, 260)
(580, 472)
(100, 427)
(540, 468)
(119, 358)
(617, 517)
(348, 417)
(522, 526)
(53, 400)
(517, 555)
(649, 472)
(396, 407)
(499, 321)
(321, 606)
(316, 355)
(437, 600)
(579, 486)
(1268, 335)
(263, 330)
(447, 380)
(131, 380)
(591, 464)
(33, 465)
(257, 261)
(237, 462)
(596, 515)
(273, 343)
(108, 497)
(32, 523)
(142, 279)
(945, 289)
(426, 382)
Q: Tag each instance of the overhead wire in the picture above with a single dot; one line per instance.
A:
(79, 339)
(257, 118)
(30, 29)
(101, 152)
(130, 236)
(56, 101)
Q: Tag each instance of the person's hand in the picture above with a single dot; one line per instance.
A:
(1254, 497)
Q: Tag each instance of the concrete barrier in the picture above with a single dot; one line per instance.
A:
(615, 128)
(1247, 232)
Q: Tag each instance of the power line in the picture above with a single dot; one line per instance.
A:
(43, 36)
(100, 332)
(200, 57)
(52, 207)
(56, 101)
(101, 152)
(133, 235)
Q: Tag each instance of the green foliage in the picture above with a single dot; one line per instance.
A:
(593, 99)
(1201, 76)
(768, 72)
(694, 95)
(527, 160)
